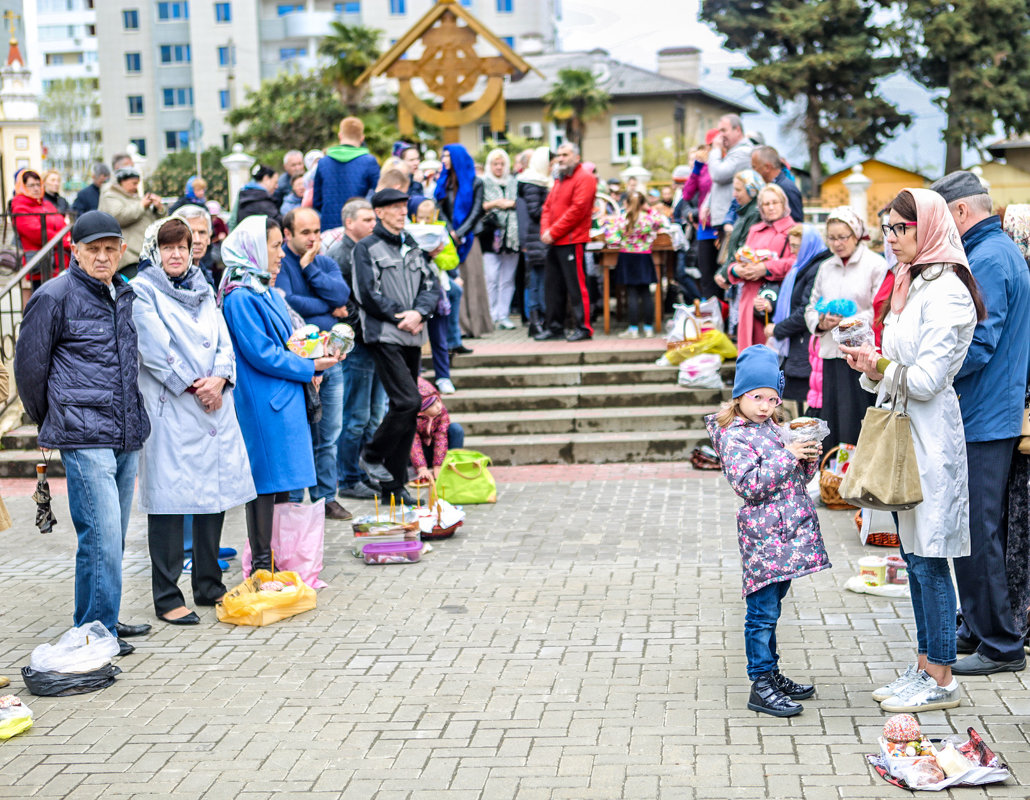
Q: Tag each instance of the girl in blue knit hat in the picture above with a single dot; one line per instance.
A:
(777, 527)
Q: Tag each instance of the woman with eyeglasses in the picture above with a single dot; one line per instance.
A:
(928, 326)
(768, 241)
(853, 272)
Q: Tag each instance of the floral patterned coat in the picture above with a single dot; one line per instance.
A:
(777, 527)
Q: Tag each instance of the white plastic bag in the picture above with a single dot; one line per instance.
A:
(853, 332)
(689, 321)
(806, 433)
(82, 649)
(15, 716)
(701, 372)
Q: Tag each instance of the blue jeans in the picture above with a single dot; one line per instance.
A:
(364, 406)
(933, 602)
(535, 289)
(763, 611)
(325, 436)
(453, 321)
(438, 339)
(100, 487)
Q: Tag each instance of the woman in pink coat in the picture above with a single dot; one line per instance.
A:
(770, 236)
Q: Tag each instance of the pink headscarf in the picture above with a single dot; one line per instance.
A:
(937, 238)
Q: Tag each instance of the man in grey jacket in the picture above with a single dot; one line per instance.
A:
(730, 153)
(396, 293)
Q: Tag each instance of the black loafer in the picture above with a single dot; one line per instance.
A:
(793, 690)
(766, 698)
(546, 336)
(964, 645)
(378, 472)
(578, 336)
(125, 631)
(461, 351)
(188, 619)
(124, 648)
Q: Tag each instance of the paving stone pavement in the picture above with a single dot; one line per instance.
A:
(581, 639)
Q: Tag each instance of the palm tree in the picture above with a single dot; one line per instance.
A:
(350, 50)
(575, 98)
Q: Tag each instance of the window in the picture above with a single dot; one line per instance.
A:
(348, 8)
(167, 11)
(288, 8)
(505, 6)
(175, 53)
(289, 53)
(627, 138)
(226, 56)
(398, 7)
(223, 12)
(181, 96)
(141, 146)
(557, 136)
(135, 103)
(177, 140)
(466, 3)
(130, 19)
(223, 99)
(133, 62)
(509, 40)
(487, 138)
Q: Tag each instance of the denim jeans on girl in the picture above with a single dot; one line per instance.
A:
(763, 611)
(933, 601)
(453, 319)
(100, 487)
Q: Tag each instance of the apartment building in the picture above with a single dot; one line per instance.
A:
(170, 71)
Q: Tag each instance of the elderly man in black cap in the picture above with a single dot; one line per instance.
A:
(991, 386)
(76, 364)
(396, 293)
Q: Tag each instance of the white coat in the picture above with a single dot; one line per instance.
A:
(931, 337)
(194, 462)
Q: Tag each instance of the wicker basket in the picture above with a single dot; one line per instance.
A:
(441, 533)
(829, 486)
(878, 538)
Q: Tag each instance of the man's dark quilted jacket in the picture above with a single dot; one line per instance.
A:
(76, 364)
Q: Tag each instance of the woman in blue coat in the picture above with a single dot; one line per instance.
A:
(270, 378)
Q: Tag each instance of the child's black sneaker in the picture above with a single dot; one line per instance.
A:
(766, 698)
(795, 691)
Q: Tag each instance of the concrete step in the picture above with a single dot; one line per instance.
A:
(22, 464)
(571, 375)
(589, 448)
(20, 438)
(583, 420)
(579, 397)
(542, 358)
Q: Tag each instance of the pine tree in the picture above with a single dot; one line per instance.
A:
(826, 55)
(978, 53)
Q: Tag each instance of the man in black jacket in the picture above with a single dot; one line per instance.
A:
(76, 364)
(396, 292)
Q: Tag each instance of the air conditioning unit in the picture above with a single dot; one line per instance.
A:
(531, 130)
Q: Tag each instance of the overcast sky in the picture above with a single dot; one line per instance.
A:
(638, 36)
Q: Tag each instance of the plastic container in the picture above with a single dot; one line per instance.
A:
(897, 570)
(392, 552)
(873, 570)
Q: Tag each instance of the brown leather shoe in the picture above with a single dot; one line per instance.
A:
(334, 510)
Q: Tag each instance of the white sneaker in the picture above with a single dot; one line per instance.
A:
(506, 324)
(897, 684)
(444, 386)
(632, 332)
(923, 694)
(649, 331)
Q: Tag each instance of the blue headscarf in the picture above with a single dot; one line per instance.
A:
(190, 194)
(811, 245)
(465, 170)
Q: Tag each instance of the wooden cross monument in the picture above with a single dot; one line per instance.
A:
(450, 68)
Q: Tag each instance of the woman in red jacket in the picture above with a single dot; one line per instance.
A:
(30, 210)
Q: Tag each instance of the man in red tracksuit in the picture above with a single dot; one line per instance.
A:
(565, 228)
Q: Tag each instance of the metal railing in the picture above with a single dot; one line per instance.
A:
(50, 260)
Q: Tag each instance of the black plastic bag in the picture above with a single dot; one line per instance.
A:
(63, 684)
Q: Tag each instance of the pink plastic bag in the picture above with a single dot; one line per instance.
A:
(298, 533)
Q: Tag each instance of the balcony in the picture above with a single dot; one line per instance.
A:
(297, 25)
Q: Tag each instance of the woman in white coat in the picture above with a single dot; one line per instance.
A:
(195, 461)
(928, 326)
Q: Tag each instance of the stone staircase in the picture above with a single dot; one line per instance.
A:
(597, 406)
(610, 404)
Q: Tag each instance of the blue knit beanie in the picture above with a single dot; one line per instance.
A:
(758, 367)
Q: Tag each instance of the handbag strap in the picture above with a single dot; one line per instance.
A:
(899, 390)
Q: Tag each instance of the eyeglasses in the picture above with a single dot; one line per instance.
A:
(898, 229)
(773, 401)
(839, 239)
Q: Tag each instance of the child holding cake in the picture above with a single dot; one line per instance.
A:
(777, 528)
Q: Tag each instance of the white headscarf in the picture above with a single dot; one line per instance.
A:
(245, 255)
(537, 172)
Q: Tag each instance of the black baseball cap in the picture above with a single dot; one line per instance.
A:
(95, 225)
(387, 197)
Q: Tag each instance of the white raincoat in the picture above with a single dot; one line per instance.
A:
(931, 337)
(194, 462)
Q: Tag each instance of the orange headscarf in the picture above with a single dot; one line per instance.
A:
(937, 238)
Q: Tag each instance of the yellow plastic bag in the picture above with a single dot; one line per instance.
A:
(247, 605)
(15, 716)
(710, 341)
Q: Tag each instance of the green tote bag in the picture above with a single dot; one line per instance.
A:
(465, 480)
